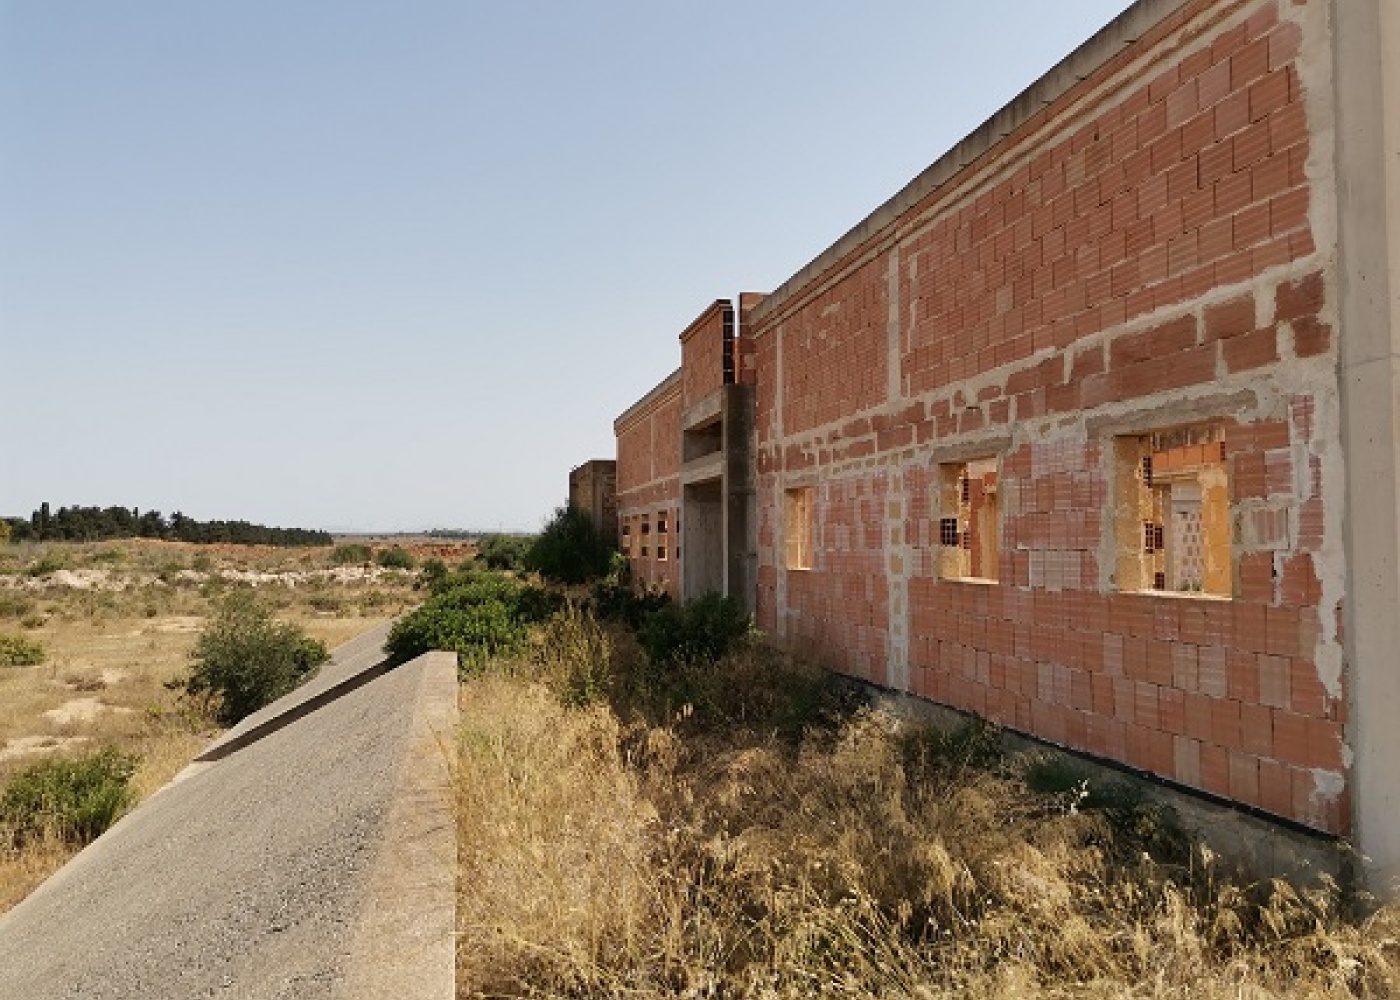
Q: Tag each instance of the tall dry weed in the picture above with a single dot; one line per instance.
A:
(721, 857)
(555, 844)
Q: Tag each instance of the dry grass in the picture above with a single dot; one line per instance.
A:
(695, 857)
(119, 639)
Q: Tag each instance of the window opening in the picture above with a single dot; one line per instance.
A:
(969, 530)
(798, 528)
(1173, 514)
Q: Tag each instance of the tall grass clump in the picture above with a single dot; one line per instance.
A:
(574, 654)
(245, 659)
(69, 799)
(740, 826)
(17, 651)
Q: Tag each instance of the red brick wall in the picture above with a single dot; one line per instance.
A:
(702, 354)
(1136, 256)
(648, 482)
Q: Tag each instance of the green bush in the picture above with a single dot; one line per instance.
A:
(504, 552)
(17, 651)
(51, 562)
(72, 798)
(351, 554)
(432, 572)
(615, 601)
(702, 631)
(570, 549)
(395, 557)
(244, 659)
(477, 616)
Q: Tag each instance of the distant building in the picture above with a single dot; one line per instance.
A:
(593, 489)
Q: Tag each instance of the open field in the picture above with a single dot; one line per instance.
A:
(117, 621)
(741, 829)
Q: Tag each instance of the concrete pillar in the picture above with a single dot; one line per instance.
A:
(1366, 56)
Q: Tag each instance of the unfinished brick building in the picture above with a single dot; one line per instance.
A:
(1091, 430)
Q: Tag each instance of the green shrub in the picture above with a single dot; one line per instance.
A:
(615, 601)
(504, 552)
(244, 659)
(395, 557)
(431, 572)
(476, 616)
(50, 562)
(701, 631)
(17, 651)
(570, 549)
(72, 798)
(351, 554)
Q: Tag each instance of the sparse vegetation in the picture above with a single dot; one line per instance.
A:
(744, 827)
(123, 627)
(395, 557)
(504, 552)
(432, 572)
(69, 799)
(244, 659)
(17, 651)
(351, 554)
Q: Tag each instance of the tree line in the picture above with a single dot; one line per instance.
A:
(92, 524)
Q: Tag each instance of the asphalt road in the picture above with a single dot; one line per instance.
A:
(247, 878)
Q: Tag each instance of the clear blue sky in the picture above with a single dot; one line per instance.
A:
(398, 265)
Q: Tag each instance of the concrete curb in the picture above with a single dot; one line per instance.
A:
(316, 861)
(406, 944)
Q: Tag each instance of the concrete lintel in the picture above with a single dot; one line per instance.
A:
(703, 469)
(704, 412)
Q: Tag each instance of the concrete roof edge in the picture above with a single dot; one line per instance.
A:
(1103, 45)
(671, 383)
(593, 461)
